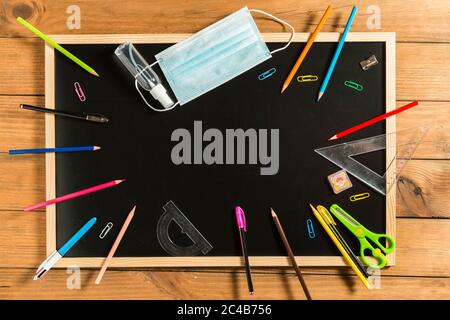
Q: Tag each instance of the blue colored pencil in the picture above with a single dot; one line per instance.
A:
(337, 53)
(48, 150)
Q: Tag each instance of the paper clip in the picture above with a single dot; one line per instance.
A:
(310, 227)
(307, 78)
(354, 85)
(79, 92)
(105, 230)
(267, 74)
(359, 196)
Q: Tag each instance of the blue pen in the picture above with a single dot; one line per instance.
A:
(58, 254)
(48, 150)
(337, 53)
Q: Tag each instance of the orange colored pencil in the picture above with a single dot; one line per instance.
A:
(308, 45)
(115, 245)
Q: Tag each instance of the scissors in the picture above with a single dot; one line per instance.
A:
(364, 235)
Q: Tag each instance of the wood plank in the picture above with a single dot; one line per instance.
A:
(436, 142)
(191, 15)
(18, 284)
(28, 249)
(423, 189)
(421, 74)
(22, 66)
(21, 129)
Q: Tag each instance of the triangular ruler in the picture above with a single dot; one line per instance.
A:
(341, 155)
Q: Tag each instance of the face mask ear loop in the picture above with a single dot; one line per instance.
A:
(280, 21)
(136, 84)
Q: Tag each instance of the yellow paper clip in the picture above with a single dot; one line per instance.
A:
(359, 196)
(307, 78)
(354, 85)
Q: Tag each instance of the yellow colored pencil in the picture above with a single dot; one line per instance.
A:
(340, 247)
(55, 45)
(308, 45)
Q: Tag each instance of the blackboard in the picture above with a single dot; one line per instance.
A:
(136, 146)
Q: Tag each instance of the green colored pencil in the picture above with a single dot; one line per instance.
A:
(55, 45)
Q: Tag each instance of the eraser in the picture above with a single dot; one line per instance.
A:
(339, 181)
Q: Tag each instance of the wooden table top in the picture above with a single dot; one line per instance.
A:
(423, 197)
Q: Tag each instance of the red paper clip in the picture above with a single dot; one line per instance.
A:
(79, 92)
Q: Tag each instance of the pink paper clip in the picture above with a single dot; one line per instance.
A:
(79, 92)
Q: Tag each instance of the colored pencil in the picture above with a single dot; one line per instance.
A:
(291, 254)
(75, 194)
(115, 245)
(373, 120)
(308, 45)
(337, 53)
(49, 150)
(55, 45)
(337, 243)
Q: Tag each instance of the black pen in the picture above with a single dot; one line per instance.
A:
(83, 116)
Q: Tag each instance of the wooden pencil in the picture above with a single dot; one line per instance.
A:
(291, 254)
(308, 45)
(115, 245)
(373, 120)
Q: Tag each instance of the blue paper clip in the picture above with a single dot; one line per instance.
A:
(267, 74)
(310, 227)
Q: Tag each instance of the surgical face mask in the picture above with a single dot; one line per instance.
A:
(215, 55)
(204, 61)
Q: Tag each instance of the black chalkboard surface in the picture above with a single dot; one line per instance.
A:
(136, 146)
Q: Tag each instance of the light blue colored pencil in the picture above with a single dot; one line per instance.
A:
(337, 53)
(48, 150)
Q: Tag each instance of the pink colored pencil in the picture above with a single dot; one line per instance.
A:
(115, 245)
(75, 194)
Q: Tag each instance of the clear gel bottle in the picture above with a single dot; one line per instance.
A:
(143, 73)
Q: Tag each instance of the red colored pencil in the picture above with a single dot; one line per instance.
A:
(373, 120)
(75, 194)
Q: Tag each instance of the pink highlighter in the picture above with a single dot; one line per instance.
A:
(240, 218)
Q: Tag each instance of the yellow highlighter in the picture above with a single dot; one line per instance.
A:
(324, 221)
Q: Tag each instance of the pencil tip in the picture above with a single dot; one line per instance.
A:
(284, 88)
(95, 73)
(119, 181)
(319, 96)
(273, 213)
(333, 138)
(97, 148)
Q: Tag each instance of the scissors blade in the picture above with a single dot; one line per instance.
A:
(344, 215)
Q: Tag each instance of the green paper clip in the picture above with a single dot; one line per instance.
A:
(354, 85)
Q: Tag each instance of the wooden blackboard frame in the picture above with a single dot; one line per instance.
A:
(206, 261)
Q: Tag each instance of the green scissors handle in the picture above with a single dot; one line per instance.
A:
(363, 234)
